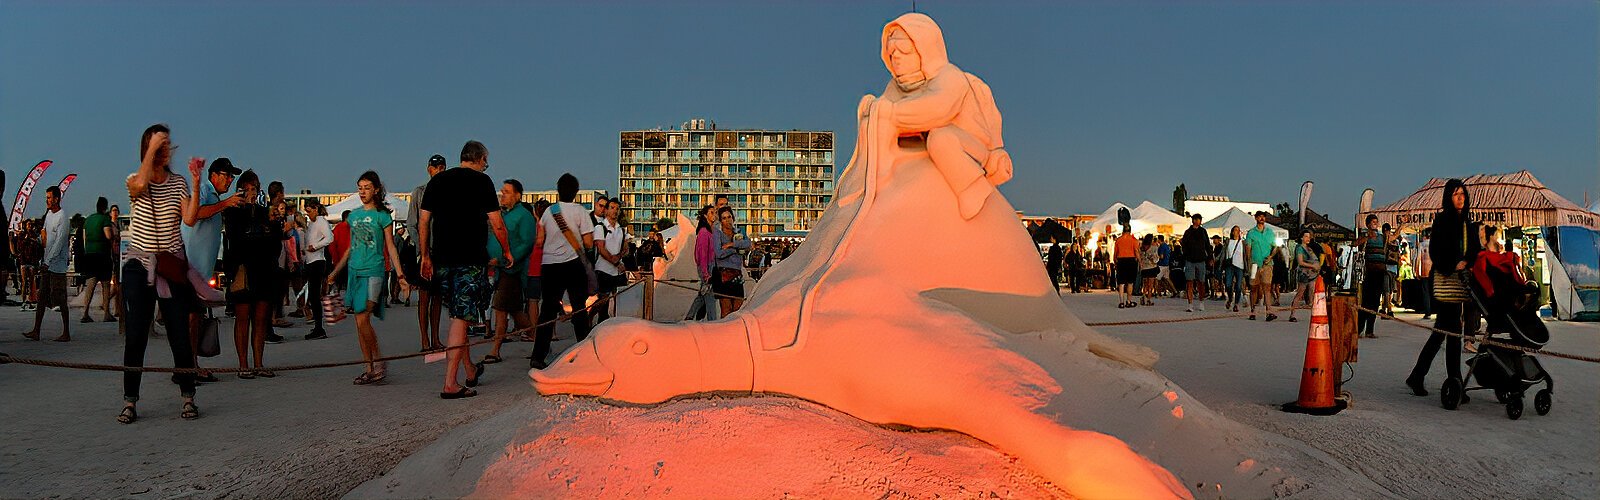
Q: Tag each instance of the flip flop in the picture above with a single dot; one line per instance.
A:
(128, 415)
(491, 359)
(463, 393)
(477, 374)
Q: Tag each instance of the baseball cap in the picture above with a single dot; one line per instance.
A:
(436, 161)
(224, 165)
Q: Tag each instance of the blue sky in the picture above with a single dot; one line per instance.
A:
(1103, 101)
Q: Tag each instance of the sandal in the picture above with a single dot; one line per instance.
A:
(491, 359)
(246, 375)
(478, 373)
(363, 379)
(377, 378)
(1122, 305)
(265, 373)
(1292, 320)
(190, 411)
(463, 393)
(128, 415)
(1271, 316)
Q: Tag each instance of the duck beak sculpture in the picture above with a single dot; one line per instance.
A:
(948, 335)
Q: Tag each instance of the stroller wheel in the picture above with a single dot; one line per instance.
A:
(1501, 395)
(1541, 401)
(1514, 407)
(1450, 393)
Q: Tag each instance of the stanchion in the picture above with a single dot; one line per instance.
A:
(1317, 378)
(648, 312)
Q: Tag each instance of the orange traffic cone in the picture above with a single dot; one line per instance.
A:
(1316, 380)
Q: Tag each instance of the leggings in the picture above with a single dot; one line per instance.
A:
(1449, 320)
(316, 284)
(140, 300)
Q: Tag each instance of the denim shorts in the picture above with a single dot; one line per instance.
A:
(1194, 271)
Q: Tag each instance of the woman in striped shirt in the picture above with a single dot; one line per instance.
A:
(161, 203)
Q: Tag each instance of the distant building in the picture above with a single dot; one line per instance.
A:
(1210, 206)
(778, 181)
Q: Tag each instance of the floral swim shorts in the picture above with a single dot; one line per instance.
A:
(465, 290)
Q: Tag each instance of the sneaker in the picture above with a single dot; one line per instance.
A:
(273, 338)
(1201, 307)
(316, 335)
(1190, 309)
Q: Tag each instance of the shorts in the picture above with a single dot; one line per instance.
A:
(465, 290)
(532, 288)
(1127, 270)
(1263, 276)
(726, 289)
(1194, 271)
(412, 270)
(1150, 273)
(96, 266)
(52, 289)
(508, 295)
(375, 289)
(1164, 272)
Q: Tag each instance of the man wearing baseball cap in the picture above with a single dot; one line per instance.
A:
(429, 301)
(202, 237)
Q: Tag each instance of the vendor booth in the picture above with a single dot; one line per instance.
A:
(1222, 224)
(1555, 238)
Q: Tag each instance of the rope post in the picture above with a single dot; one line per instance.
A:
(648, 312)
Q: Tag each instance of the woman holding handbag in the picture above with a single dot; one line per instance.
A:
(250, 260)
(1453, 250)
(371, 240)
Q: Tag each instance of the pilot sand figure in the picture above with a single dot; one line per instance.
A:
(953, 109)
(986, 349)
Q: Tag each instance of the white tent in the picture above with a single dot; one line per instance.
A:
(1149, 218)
(1221, 224)
(1107, 218)
(397, 208)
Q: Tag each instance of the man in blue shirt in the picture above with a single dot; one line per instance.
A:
(202, 236)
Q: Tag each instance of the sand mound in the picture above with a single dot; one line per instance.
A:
(750, 447)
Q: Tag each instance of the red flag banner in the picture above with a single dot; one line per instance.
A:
(25, 190)
(66, 182)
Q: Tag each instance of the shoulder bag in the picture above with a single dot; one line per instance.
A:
(588, 268)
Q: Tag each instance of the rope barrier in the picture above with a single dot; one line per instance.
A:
(1485, 340)
(288, 368)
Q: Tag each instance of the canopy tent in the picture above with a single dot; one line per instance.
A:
(1320, 225)
(1222, 224)
(398, 208)
(1147, 218)
(1107, 218)
(1514, 199)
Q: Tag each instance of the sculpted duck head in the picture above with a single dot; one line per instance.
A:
(638, 361)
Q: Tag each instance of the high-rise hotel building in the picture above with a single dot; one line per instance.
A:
(777, 181)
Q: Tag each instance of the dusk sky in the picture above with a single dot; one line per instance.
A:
(1103, 101)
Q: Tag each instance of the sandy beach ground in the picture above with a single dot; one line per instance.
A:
(313, 434)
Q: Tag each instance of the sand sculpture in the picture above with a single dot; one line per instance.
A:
(966, 335)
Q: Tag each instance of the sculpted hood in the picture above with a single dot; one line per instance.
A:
(929, 40)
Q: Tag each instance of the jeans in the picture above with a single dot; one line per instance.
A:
(1233, 283)
(1372, 289)
(139, 299)
(316, 283)
(1449, 320)
(556, 279)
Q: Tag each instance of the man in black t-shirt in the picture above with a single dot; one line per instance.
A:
(458, 211)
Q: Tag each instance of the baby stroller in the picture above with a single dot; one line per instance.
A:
(1511, 316)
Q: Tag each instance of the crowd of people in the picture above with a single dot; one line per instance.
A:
(1248, 269)
(475, 253)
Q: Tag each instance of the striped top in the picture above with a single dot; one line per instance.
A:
(158, 215)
